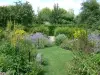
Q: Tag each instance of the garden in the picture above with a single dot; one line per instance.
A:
(46, 44)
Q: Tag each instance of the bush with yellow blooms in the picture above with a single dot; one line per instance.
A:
(17, 35)
(80, 34)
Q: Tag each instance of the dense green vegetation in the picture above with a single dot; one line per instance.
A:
(51, 42)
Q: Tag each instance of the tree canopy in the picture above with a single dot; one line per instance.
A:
(90, 13)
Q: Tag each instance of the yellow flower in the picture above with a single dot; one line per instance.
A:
(21, 32)
(79, 33)
(17, 35)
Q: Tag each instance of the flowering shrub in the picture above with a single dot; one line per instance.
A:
(60, 38)
(17, 35)
(19, 32)
(80, 33)
(40, 40)
(94, 37)
(81, 42)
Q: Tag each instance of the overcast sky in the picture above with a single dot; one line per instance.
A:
(66, 4)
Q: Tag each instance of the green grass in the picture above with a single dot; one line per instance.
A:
(57, 59)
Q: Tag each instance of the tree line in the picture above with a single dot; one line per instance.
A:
(23, 13)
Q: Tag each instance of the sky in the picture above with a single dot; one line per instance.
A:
(66, 4)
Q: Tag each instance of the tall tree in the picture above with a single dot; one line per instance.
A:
(21, 13)
(90, 13)
(55, 14)
(44, 15)
(61, 16)
(24, 13)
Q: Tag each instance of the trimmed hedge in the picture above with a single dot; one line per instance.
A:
(69, 31)
(53, 29)
(42, 29)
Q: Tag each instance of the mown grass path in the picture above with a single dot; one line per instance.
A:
(57, 59)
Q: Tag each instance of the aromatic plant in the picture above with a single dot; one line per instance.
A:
(40, 40)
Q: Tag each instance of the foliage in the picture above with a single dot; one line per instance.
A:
(44, 15)
(84, 64)
(69, 31)
(90, 13)
(42, 29)
(18, 26)
(17, 35)
(60, 38)
(1, 34)
(67, 44)
(61, 16)
(19, 59)
(80, 34)
(20, 13)
(40, 40)
(94, 37)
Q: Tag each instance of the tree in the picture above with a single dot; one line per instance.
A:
(55, 14)
(21, 13)
(90, 12)
(44, 15)
(24, 13)
(61, 16)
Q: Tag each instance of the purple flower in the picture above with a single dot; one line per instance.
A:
(39, 40)
(37, 36)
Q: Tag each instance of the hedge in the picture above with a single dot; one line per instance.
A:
(42, 29)
(68, 31)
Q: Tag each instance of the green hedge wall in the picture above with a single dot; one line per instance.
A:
(56, 29)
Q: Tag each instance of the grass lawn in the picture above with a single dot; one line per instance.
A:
(57, 59)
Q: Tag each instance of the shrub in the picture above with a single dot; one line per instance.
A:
(84, 64)
(41, 29)
(0, 30)
(64, 30)
(19, 26)
(19, 59)
(95, 38)
(60, 38)
(80, 34)
(17, 35)
(81, 39)
(40, 40)
(1, 34)
(67, 44)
